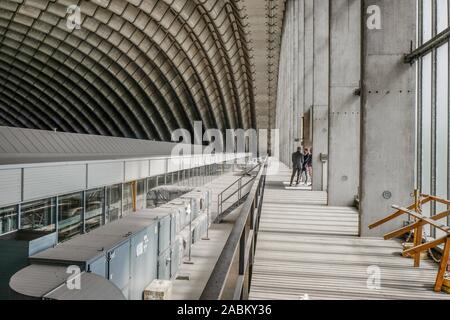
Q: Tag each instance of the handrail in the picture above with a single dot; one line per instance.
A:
(238, 252)
(243, 175)
(221, 200)
(420, 221)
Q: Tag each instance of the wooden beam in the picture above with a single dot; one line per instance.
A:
(426, 219)
(403, 230)
(397, 213)
(440, 200)
(442, 266)
(425, 246)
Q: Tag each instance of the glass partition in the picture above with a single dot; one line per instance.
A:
(113, 202)
(140, 194)
(39, 215)
(95, 204)
(127, 198)
(70, 210)
(8, 219)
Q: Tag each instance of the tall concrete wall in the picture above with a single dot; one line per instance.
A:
(387, 161)
(290, 99)
(320, 92)
(344, 115)
(303, 80)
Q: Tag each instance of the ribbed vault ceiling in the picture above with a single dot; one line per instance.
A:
(137, 68)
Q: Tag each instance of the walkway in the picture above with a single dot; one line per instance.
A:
(306, 250)
(205, 253)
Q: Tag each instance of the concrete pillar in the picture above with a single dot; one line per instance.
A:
(344, 105)
(320, 92)
(290, 93)
(388, 113)
(308, 80)
(320, 146)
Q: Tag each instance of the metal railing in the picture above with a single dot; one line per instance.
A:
(232, 274)
(240, 192)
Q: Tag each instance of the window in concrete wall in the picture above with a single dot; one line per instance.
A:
(441, 15)
(427, 20)
(95, 206)
(433, 101)
(175, 177)
(70, 212)
(426, 128)
(442, 131)
(127, 198)
(38, 215)
(152, 183)
(8, 219)
(140, 195)
(113, 202)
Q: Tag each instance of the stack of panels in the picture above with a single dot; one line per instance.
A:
(123, 251)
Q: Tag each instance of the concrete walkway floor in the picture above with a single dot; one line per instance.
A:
(307, 250)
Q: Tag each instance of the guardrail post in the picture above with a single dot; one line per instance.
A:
(242, 253)
(252, 215)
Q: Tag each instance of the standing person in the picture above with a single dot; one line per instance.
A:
(307, 159)
(309, 166)
(297, 165)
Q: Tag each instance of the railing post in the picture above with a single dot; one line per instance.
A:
(242, 253)
(252, 215)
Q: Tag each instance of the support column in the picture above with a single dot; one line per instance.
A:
(388, 112)
(321, 85)
(290, 80)
(308, 79)
(344, 104)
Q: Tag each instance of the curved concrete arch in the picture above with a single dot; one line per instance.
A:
(139, 68)
(67, 79)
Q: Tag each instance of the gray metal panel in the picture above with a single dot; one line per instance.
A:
(164, 265)
(144, 262)
(119, 267)
(99, 267)
(41, 182)
(135, 170)
(176, 258)
(102, 174)
(157, 166)
(81, 250)
(10, 186)
(49, 146)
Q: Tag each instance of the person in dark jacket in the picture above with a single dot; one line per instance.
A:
(307, 165)
(297, 165)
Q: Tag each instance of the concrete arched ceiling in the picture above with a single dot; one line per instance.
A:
(138, 68)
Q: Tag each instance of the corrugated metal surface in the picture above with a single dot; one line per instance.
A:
(135, 170)
(41, 182)
(19, 145)
(157, 166)
(103, 174)
(10, 186)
